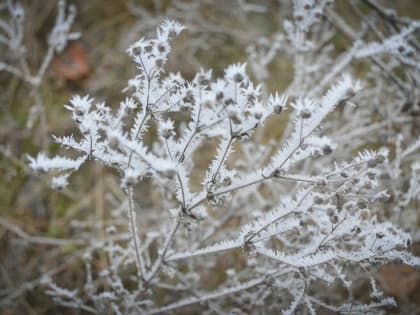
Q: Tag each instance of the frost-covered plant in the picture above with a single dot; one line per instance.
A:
(14, 52)
(385, 48)
(268, 225)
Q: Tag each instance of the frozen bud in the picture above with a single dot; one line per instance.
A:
(302, 270)
(148, 48)
(299, 17)
(334, 219)
(219, 95)
(171, 28)
(113, 142)
(304, 146)
(208, 103)
(318, 200)
(350, 93)
(318, 14)
(79, 112)
(316, 153)
(344, 174)
(162, 47)
(159, 62)
(184, 108)
(277, 109)
(136, 50)
(250, 98)
(372, 163)
(229, 101)
(203, 80)
(380, 235)
(371, 175)
(189, 98)
(305, 114)
(278, 172)
(362, 204)
(401, 49)
(296, 275)
(376, 160)
(258, 115)
(382, 198)
(326, 149)
(170, 173)
(385, 176)
(234, 116)
(400, 247)
(130, 180)
(111, 230)
(227, 181)
(368, 185)
(216, 201)
(166, 133)
(148, 173)
(238, 77)
(172, 33)
(236, 73)
(277, 103)
(321, 182)
(18, 13)
(307, 6)
(85, 131)
(166, 128)
(379, 158)
(210, 196)
(330, 212)
(347, 238)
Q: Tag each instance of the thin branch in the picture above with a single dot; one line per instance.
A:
(155, 268)
(134, 236)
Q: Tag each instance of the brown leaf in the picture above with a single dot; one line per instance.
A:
(399, 281)
(73, 63)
